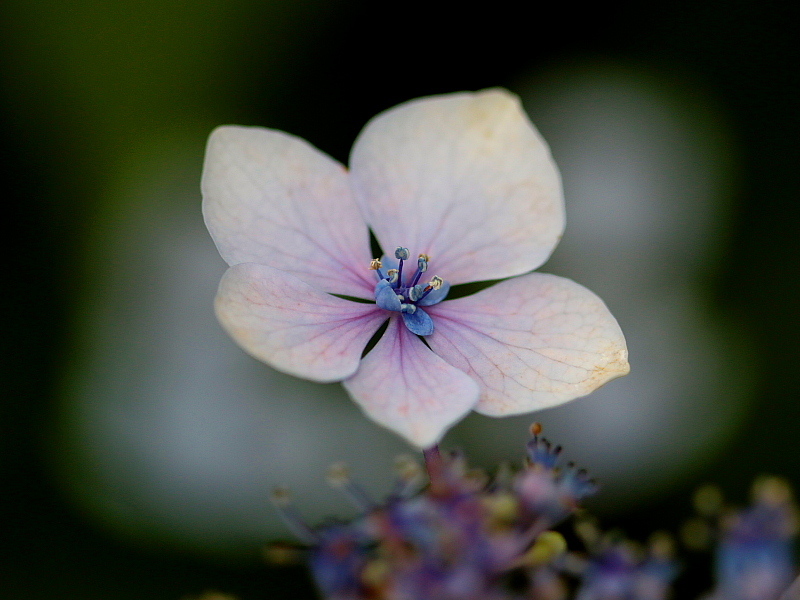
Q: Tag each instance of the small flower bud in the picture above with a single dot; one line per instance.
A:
(588, 531)
(661, 545)
(503, 508)
(376, 572)
(282, 554)
(338, 475)
(407, 468)
(708, 500)
(281, 496)
(696, 534)
(401, 253)
(771, 491)
(547, 546)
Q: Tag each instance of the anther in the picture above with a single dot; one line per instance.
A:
(339, 477)
(282, 499)
(422, 266)
(401, 253)
(416, 292)
(408, 308)
(435, 283)
(375, 264)
(392, 275)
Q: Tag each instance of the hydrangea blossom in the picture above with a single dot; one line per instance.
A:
(463, 187)
(465, 535)
(754, 556)
(460, 537)
(620, 570)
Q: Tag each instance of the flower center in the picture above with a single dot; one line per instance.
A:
(406, 294)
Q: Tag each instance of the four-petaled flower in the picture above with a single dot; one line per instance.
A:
(466, 183)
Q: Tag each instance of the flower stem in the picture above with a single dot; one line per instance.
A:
(434, 464)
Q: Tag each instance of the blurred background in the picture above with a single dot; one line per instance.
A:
(139, 445)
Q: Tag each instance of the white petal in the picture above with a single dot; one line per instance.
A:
(292, 326)
(531, 342)
(404, 386)
(465, 178)
(273, 199)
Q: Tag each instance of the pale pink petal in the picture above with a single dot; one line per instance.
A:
(464, 178)
(273, 199)
(531, 342)
(292, 326)
(404, 386)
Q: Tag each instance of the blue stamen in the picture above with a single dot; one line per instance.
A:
(422, 266)
(401, 254)
(422, 291)
(434, 296)
(417, 292)
(339, 477)
(392, 293)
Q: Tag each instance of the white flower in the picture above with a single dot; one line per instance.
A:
(465, 182)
